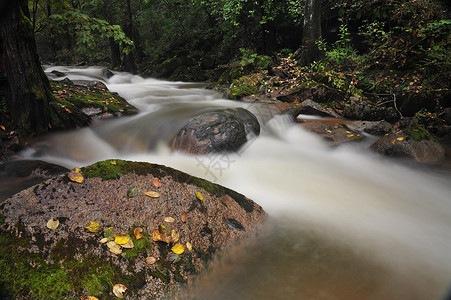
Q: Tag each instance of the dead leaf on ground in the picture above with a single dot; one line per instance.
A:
(53, 224)
(119, 290)
(104, 240)
(93, 227)
(178, 248)
(152, 194)
(138, 233)
(76, 176)
(199, 196)
(110, 233)
(189, 246)
(169, 219)
(184, 217)
(122, 239)
(128, 245)
(157, 182)
(151, 260)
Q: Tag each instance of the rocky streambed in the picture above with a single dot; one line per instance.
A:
(117, 228)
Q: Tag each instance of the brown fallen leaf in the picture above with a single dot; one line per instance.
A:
(189, 246)
(184, 217)
(128, 245)
(156, 182)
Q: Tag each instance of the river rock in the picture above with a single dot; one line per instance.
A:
(400, 145)
(370, 113)
(52, 235)
(218, 131)
(333, 130)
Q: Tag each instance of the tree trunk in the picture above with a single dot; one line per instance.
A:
(30, 102)
(115, 54)
(129, 58)
(309, 51)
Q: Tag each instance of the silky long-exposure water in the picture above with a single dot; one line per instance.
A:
(347, 224)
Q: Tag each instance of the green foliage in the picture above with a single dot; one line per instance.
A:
(249, 58)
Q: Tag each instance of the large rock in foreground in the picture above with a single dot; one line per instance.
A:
(221, 131)
(51, 234)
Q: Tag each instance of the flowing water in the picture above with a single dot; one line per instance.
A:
(348, 224)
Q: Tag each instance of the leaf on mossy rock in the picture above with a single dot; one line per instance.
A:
(152, 194)
(151, 260)
(189, 246)
(138, 233)
(110, 233)
(184, 217)
(157, 182)
(122, 239)
(114, 248)
(93, 227)
(132, 192)
(53, 224)
(119, 290)
(199, 196)
(169, 219)
(76, 176)
(128, 245)
(104, 240)
(163, 234)
(178, 249)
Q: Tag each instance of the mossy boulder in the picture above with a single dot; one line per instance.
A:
(70, 262)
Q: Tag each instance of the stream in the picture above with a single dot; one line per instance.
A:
(348, 224)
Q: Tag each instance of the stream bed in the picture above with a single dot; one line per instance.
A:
(347, 224)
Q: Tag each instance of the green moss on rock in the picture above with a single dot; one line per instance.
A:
(418, 133)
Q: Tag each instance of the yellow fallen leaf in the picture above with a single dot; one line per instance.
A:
(76, 176)
(189, 246)
(152, 194)
(122, 239)
(137, 232)
(128, 245)
(393, 141)
(178, 249)
(2, 127)
(119, 290)
(53, 224)
(400, 138)
(199, 196)
(156, 235)
(110, 233)
(93, 227)
(169, 220)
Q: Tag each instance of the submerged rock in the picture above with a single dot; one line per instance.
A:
(219, 131)
(92, 244)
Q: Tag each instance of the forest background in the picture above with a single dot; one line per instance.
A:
(370, 50)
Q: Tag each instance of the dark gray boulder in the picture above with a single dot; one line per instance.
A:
(370, 113)
(219, 131)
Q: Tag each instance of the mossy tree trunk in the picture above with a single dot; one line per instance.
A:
(311, 33)
(30, 103)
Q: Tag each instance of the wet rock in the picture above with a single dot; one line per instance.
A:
(370, 113)
(319, 93)
(411, 103)
(371, 127)
(107, 73)
(334, 131)
(310, 107)
(222, 131)
(72, 255)
(400, 145)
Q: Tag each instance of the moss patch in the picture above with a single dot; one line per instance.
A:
(112, 169)
(69, 95)
(418, 133)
